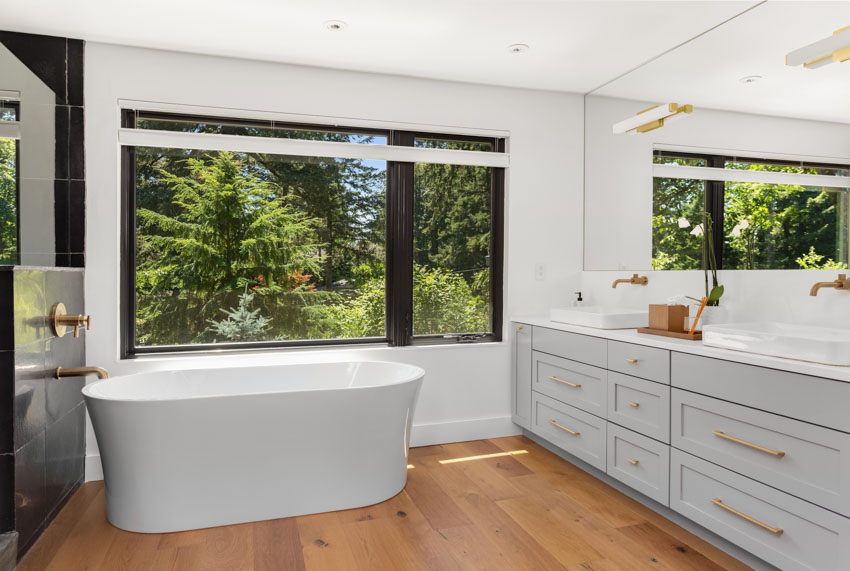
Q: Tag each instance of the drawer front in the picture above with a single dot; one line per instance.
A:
(639, 361)
(579, 433)
(825, 401)
(581, 348)
(793, 534)
(807, 461)
(576, 384)
(639, 462)
(641, 405)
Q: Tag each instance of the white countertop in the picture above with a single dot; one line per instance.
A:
(694, 348)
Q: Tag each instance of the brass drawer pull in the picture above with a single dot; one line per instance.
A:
(775, 530)
(633, 462)
(573, 432)
(520, 328)
(634, 404)
(632, 361)
(556, 379)
(722, 434)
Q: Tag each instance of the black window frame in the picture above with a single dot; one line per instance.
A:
(399, 245)
(715, 190)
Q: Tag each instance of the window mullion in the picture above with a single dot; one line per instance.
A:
(400, 245)
(716, 200)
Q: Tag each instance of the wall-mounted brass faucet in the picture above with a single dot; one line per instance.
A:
(61, 372)
(635, 279)
(60, 321)
(841, 283)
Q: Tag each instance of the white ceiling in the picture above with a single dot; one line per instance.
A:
(575, 45)
(707, 70)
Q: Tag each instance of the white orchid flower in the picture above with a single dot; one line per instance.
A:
(683, 223)
(743, 224)
(697, 231)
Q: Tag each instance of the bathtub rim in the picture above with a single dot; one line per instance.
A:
(417, 375)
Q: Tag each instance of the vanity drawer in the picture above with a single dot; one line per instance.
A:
(575, 431)
(640, 405)
(813, 399)
(581, 348)
(807, 461)
(577, 384)
(639, 462)
(639, 361)
(801, 535)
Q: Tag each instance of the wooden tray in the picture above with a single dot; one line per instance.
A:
(697, 335)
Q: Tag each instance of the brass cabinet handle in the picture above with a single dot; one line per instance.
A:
(722, 434)
(633, 462)
(573, 432)
(556, 379)
(632, 361)
(775, 530)
(519, 328)
(634, 404)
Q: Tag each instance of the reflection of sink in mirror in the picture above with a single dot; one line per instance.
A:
(601, 317)
(825, 345)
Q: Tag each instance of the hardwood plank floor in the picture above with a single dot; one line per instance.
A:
(504, 503)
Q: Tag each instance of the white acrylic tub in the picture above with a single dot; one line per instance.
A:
(207, 447)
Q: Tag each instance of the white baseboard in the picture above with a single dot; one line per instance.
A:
(421, 435)
(463, 430)
(94, 471)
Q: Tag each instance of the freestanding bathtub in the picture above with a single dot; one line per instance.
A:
(202, 448)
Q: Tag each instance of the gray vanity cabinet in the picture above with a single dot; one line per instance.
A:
(760, 456)
(521, 374)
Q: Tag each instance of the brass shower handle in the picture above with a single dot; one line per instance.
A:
(60, 321)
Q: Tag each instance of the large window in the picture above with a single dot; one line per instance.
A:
(765, 214)
(241, 234)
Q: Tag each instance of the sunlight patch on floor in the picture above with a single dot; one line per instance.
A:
(484, 456)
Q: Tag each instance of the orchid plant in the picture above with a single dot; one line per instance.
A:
(705, 230)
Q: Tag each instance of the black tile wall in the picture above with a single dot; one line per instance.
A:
(30, 496)
(42, 419)
(7, 482)
(47, 414)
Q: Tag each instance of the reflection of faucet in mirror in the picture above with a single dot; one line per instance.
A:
(635, 279)
(842, 283)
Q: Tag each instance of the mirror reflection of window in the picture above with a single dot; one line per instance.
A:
(775, 219)
(9, 181)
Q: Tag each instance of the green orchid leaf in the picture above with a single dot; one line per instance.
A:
(715, 295)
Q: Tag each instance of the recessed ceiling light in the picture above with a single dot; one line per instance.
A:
(518, 48)
(335, 25)
(751, 79)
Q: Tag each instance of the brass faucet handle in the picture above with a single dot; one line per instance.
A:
(60, 321)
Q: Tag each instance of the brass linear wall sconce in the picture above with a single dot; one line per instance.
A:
(652, 118)
(835, 48)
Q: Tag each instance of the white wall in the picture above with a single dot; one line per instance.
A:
(750, 295)
(618, 176)
(466, 393)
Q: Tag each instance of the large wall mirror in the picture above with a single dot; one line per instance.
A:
(761, 161)
(42, 191)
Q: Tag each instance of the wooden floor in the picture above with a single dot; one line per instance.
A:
(504, 503)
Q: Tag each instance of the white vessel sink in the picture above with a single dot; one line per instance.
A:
(601, 317)
(823, 345)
